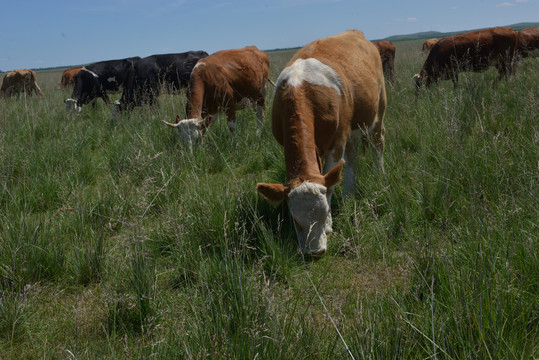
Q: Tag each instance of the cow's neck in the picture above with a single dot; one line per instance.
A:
(301, 154)
(196, 100)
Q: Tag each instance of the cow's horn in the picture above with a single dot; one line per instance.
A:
(170, 124)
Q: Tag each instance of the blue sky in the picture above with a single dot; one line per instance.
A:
(37, 34)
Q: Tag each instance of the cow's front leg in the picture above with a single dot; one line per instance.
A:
(331, 159)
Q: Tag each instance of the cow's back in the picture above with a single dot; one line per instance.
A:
(387, 53)
(476, 49)
(171, 68)
(68, 76)
(113, 73)
(236, 71)
(362, 90)
(385, 48)
(9, 80)
(20, 80)
(528, 40)
(245, 68)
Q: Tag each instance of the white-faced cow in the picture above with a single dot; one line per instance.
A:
(473, 51)
(222, 82)
(150, 74)
(95, 80)
(387, 54)
(528, 42)
(68, 76)
(330, 96)
(18, 81)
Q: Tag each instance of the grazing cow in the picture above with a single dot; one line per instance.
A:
(528, 42)
(93, 81)
(149, 74)
(18, 81)
(68, 76)
(387, 54)
(428, 44)
(222, 82)
(473, 51)
(330, 95)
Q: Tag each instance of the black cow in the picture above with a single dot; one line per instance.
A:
(150, 74)
(93, 81)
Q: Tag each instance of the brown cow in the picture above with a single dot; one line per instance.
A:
(473, 51)
(18, 81)
(428, 44)
(387, 54)
(219, 83)
(68, 77)
(528, 42)
(330, 96)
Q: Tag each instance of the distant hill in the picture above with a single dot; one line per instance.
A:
(437, 34)
(415, 36)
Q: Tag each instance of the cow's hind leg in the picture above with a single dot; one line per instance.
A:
(260, 115)
(261, 108)
(330, 161)
(231, 116)
(378, 145)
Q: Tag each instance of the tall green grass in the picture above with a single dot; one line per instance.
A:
(119, 242)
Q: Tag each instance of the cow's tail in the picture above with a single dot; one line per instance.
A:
(35, 85)
(38, 90)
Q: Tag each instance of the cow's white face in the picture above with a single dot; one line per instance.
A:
(310, 212)
(116, 110)
(72, 106)
(190, 131)
(417, 81)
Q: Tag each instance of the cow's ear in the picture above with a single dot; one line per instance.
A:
(333, 177)
(274, 193)
(206, 123)
(178, 119)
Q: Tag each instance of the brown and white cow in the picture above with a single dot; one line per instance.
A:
(387, 54)
(472, 51)
(222, 82)
(18, 81)
(428, 44)
(528, 42)
(330, 96)
(68, 76)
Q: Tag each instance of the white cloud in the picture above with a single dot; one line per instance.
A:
(505, 4)
(411, 19)
(222, 5)
(177, 3)
(166, 8)
(291, 3)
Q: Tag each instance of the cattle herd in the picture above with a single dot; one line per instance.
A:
(329, 96)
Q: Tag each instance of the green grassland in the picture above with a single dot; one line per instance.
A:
(118, 242)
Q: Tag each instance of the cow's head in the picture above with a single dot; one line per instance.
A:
(309, 208)
(117, 108)
(190, 130)
(418, 81)
(72, 106)
(86, 88)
